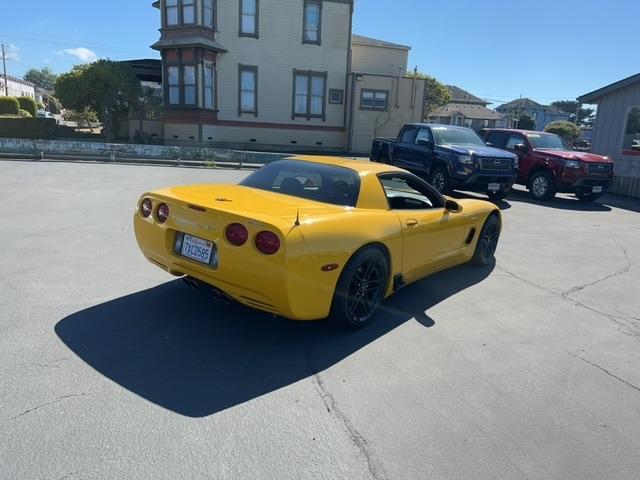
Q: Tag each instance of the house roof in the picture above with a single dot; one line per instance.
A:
(468, 110)
(521, 103)
(593, 97)
(373, 42)
(459, 95)
(17, 80)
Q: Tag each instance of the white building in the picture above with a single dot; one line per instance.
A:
(16, 87)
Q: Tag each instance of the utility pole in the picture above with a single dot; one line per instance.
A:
(4, 67)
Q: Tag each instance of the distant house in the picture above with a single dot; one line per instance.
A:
(542, 115)
(617, 131)
(16, 87)
(470, 111)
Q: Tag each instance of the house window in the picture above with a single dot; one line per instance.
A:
(188, 11)
(374, 99)
(336, 96)
(189, 80)
(173, 77)
(209, 87)
(249, 18)
(312, 22)
(631, 138)
(309, 94)
(248, 95)
(172, 12)
(209, 13)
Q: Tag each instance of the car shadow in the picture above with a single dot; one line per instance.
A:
(559, 202)
(180, 350)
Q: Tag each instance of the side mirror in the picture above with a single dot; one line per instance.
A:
(521, 147)
(489, 144)
(452, 206)
(425, 143)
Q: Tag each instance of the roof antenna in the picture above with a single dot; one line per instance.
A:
(297, 222)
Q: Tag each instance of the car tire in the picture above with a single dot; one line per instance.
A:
(360, 289)
(439, 179)
(542, 186)
(487, 242)
(588, 196)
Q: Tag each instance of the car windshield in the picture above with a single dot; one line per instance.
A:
(547, 141)
(461, 137)
(308, 180)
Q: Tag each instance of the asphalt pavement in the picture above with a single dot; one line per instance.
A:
(111, 369)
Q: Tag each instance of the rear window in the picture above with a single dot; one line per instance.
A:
(311, 181)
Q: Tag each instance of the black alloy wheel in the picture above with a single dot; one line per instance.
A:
(487, 242)
(361, 289)
(439, 179)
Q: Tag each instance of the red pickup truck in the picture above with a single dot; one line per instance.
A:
(547, 164)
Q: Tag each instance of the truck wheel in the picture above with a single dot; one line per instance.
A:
(588, 196)
(439, 179)
(360, 289)
(542, 186)
(487, 242)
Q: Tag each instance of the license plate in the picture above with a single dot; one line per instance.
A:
(494, 187)
(197, 249)
(597, 190)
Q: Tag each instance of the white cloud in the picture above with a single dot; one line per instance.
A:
(83, 54)
(11, 52)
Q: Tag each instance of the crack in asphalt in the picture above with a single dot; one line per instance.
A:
(617, 273)
(70, 474)
(375, 470)
(605, 371)
(37, 407)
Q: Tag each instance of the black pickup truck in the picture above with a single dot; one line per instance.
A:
(449, 157)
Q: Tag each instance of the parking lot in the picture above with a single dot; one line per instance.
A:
(110, 368)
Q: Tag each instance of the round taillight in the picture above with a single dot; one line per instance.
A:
(146, 207)
(237, 234)
(163, 213)
(267, 242)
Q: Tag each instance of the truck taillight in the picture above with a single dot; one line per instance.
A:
(267, 242)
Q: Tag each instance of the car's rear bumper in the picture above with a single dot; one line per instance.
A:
(279, 287)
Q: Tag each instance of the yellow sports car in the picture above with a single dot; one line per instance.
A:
(313, 237)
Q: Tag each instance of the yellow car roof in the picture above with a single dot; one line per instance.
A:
(363, 167)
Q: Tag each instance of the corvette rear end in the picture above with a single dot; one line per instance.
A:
(258, 259)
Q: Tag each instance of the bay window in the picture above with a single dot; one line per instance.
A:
(172, 12)
(188, 11)
(189, 81)
(209, 13)
(173, 82)
(309, 94)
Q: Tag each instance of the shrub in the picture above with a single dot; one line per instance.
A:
(9, 106)
(567, 130)
(28, 104)
(24, 113)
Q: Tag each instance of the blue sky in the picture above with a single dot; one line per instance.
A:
(496, 49)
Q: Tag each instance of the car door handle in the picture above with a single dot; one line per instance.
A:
(412, 222)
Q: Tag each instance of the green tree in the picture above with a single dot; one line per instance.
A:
(586, 116)
(105, 87)
(567, 130)
(436, 94)
(43, 78)
(525, 122)
(85, 116)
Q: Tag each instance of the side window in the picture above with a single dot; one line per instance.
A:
(424, 134)
(408, 135)
(406, 193)
(497, 139)
(514, 140)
